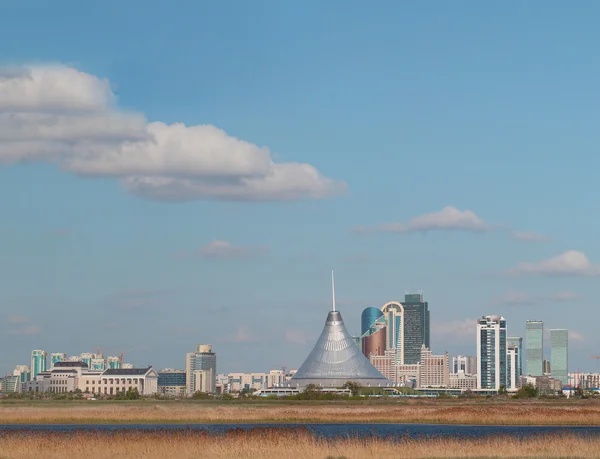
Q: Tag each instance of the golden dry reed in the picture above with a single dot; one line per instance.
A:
(277, 444)
(586, 412)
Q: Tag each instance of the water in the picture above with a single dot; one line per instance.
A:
(327, 430)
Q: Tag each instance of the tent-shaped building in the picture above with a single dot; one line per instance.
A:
(336, 359)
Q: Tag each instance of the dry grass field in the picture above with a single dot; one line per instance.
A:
(277, 444)
(512, 412)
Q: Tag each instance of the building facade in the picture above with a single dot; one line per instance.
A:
(416, 327)
(393, 312)
(464, 364)
(70, 376)
(201, 370)
(512, 371)
(491, 352)
(38, 362)
(463, 381)
(434, 370)
(373, 341)
(534, 342)
(517, 342)
(559, 348)
(368, 318)
(57, 357)
(171, 382)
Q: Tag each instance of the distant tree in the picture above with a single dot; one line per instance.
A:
(200, 395)
(502, 390)
(527, 391)
(354, 387)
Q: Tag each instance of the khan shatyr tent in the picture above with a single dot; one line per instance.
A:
(335, 359)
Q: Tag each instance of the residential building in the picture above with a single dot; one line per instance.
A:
(534, 341)
(57, 357)
(416, 331)
(97, 364)
(584, 380)
(559, 355)
(38, 362)
(23, 372)
(113, 362)
(544, 384)
(404, 375)
(434, 370)
(464, 364)
(201, 370)
(491, 352)
(517, 342)
(463, 381)
(171, 382)
(512, 370)
(87, 357)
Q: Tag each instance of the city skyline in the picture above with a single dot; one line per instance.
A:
(406, 147)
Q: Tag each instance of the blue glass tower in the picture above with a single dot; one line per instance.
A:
(368, 317)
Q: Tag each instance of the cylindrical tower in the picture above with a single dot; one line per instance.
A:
(368, 317)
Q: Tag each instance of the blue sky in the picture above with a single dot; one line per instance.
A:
(189, 173)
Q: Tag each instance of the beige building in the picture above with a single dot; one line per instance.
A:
(434, 370)
(463, 381)
(401, 374)
(71, 376)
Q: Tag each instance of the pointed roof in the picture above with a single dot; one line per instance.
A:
(336, 359)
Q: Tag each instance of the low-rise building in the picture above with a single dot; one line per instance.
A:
(69, 376)
(171, 382)
(544, 384)
(463, 381)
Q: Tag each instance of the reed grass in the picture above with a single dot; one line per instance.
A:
(277, 444)
(475, 413)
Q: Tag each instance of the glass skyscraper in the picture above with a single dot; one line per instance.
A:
(517, 342)
(416, 327)
(559, 357)
(534, 340)
(204, 359)
(491, 352)
(38, 362)
(368, 317)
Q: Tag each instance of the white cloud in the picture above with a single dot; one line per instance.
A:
(456, 331)
(515, 298)
(570, 263)
(243, 335)
(226, 250)
(449, 218)
(296, 337)
(16, 319)
(60, 115)
(26, 330)
(528, 236)
(575, 336)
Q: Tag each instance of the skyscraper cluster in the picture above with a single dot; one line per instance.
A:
(500, 358)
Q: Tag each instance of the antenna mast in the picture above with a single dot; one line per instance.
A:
(332, 291)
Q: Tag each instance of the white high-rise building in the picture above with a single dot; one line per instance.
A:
(491, 352)
(201, 370)
(512, 366)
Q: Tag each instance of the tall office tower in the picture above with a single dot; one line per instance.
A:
(393, 312)
(113, 363)
(416, 327)
(464, 364)
(57, 357)
(201, 370)
(534, 340)
(517, 342)
(559, 348)
(368, 318)
(512, 366)
(491, 352)
(38, 362)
